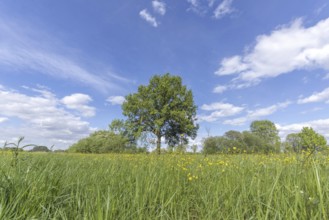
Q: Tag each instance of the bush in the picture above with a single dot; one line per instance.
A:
(103, 142)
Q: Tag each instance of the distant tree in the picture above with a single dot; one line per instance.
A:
(165, 108)
(311, 140)
(212, 145)
(101, 141)
(40, 149)
(293, 142)
(254, 143)
(234, 135)
(194, 148)
(121, 127)
(266, 130)
(235, 140)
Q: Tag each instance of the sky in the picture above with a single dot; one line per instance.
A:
(66, 65)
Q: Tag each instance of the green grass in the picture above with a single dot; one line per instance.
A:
(75, 186)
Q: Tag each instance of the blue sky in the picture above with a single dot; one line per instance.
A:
(65, 66)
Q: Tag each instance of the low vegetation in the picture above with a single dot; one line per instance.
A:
(175, 186)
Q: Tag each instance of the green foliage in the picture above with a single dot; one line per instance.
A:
(267, 131)
(40, 149)
(254, 143)
(293, 143)
(165, 108)
(121, 127)
(101, 142)
(212, 145)
(262, 138)
(311, 140)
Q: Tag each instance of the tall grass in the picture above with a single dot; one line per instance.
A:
(74, 186)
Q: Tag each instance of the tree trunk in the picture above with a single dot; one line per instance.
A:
(159, 144)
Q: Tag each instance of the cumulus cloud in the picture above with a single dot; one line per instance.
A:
(223, 9)
(79, 102)
(116, 100)
(316, 97)
(321, 126)
(219, 110)
(257, 113)
(159, 7)
(219, 89)
(144, 14)
(288, 48)
(41, 118)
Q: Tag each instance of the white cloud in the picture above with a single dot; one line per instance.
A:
(2, 119)
(220, 110)
(219, 89)
(321, 126)
(79, 102)
(116, 100)
(144, 14)
(159, 7)
(236, 121)
(40, 118)
(286, 49)
(231, 65)
(257, 113)
(223, 9)
(316, 97)
(267, 111)
(23, 47)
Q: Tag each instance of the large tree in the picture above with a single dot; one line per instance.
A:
(165, 108)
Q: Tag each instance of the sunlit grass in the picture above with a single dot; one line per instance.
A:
(236, 186)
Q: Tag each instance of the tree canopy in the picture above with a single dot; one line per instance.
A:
(311, 140)
(268, 132)
(165, 108)
(100, 142)
(262, 137)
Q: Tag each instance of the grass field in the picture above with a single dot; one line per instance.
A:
(241, 186)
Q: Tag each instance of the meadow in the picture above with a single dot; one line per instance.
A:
(123, 186)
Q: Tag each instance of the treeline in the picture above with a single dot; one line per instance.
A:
(263, 137)
(164, 110)
(117, 139)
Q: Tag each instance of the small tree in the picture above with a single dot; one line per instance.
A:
(165, 108)
(311, 140)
